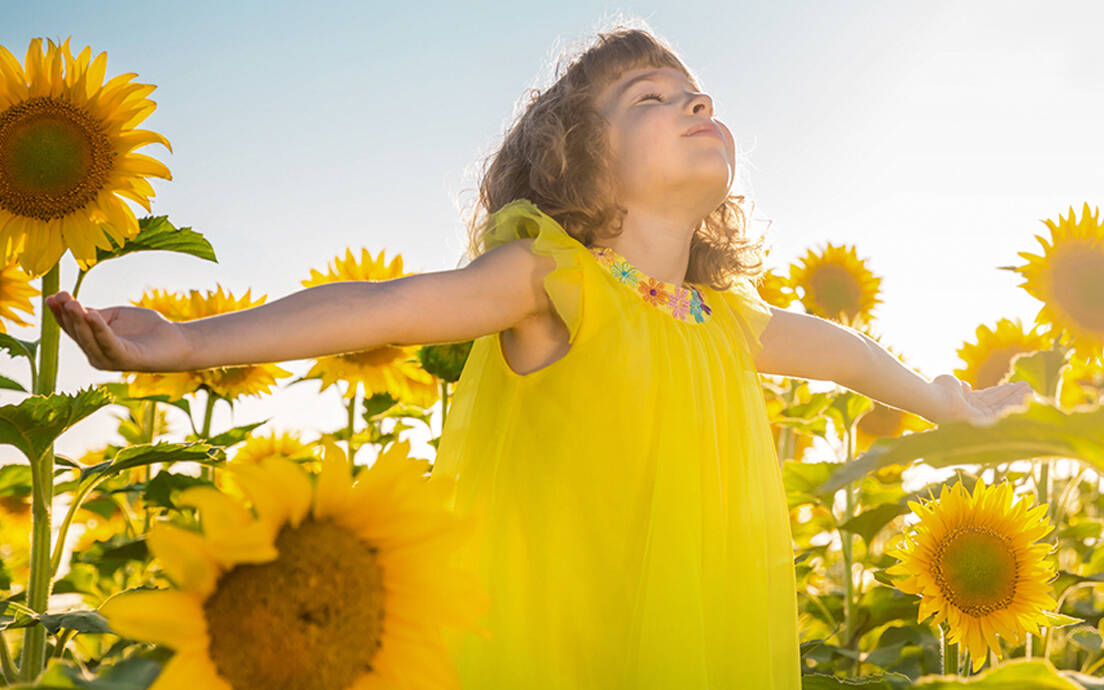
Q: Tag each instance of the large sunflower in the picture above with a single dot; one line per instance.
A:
(343, 585)
(836, 284)
(225, 382)
(975, 564)
(392, 369)
(989, 360)
(16, 292)
(1069, 279)
(67, 158)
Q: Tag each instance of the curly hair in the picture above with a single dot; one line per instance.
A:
(556, 155)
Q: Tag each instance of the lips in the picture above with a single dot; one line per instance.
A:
(704, 127)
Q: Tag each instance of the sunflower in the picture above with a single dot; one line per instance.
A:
(392, 369)
(339, 585)
(280, 445)
(225, 382)
(16, 292)
(975, 564)
(775, 289)
(15, 535)
(837, 285)
(1069, 279)
(67, 158)
(989, 360)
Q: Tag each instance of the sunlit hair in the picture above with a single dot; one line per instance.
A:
(556, 155)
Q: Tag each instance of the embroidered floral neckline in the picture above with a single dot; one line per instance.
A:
(684, 302)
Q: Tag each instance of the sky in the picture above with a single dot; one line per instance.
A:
(934, 136)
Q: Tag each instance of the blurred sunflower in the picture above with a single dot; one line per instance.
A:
(225, 382)
(1082, 382)
(391, 369)
(286, 445)
(1069, 279)
(835, 284)
(776, 290)
(66, 155)
(883, 421)
(15, 535)
(16, 292)
(339, 585)
(973, 561)
(989, 360)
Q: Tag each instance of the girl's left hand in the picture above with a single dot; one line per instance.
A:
(983, 407)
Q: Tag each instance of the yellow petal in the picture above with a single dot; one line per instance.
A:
(183, 556)
(334, 481)
(191, 670)
(217, 511)
(167, 617)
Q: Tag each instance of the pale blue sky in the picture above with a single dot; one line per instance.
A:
(934, 135)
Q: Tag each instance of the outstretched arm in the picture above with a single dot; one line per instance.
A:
(809, 347)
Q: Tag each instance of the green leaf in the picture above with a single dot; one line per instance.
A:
(846, 408)
(1038, 430)
(136, 672)
(821, 681)
(156, 233)
(1015, 674)
(234, 436)
(1059, 620)
(11, 385)
(81, 621)
(145, 454)
(869, 522)
(34, 424)
(17, 347)
(1043, 370)
(160, 490)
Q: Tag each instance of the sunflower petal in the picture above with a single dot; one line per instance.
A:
(168, 617)
(183, 556)
(189, 670)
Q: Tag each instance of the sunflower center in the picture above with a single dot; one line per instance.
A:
(996, 365)
(377, 356)
(313, 618)
(882, 421)
(1079, 284)
(975, 569)
(835, 290)
(54, 158)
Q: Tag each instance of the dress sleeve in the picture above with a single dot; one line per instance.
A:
(752, 311)
(564, 284)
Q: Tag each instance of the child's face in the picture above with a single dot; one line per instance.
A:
(652, 159)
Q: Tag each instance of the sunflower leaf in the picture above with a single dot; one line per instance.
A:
(146, 454)
(156, 233)
(1059, 620)
(821, 681)
(869, 522)
(1035, 430)
(1037, 674)
(233, 436)
(34, 424)
(17, 347)
(11, 385)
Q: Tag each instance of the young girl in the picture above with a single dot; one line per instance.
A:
(609, 428)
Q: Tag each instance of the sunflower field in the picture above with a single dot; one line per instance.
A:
(241, 558)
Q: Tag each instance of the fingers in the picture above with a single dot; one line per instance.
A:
(82, 333)
(105, 338)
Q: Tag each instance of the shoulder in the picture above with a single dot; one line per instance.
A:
(514, 272)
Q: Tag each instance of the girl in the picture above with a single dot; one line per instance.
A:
(609, 428)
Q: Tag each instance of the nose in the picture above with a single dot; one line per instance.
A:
(701, 100)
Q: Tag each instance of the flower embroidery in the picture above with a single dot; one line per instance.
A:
(684, 302)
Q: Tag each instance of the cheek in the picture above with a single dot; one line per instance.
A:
(730, 141)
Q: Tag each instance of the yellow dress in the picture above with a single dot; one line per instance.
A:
(634, 532)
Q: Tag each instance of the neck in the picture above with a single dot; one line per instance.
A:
(656, 243)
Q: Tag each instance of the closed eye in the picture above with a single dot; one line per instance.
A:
(651, 95)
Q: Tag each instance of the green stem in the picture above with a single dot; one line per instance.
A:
(62, 640)
(352, 426)
(149, 434)
(848, 557)
(444, 403)
(76, 285)
(205, 432)
(950, 653)
(42, 484)
(11, 673)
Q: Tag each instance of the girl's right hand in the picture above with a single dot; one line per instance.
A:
(122, 338)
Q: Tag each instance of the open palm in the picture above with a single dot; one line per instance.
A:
(121, 338)
(983, 406)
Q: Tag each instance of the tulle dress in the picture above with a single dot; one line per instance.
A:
(634, 532)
